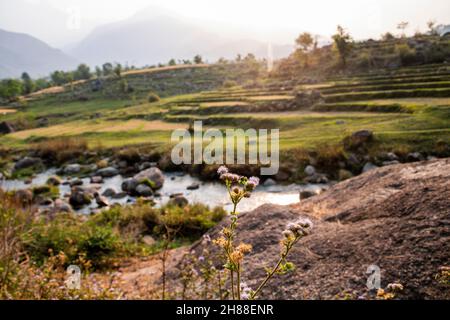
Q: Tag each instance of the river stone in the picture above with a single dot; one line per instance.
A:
(179, 201)
(96, 179)
(72, 168)
(79, 198)
(305, 194)
(193, 186)
(101, 201)
(62, 206)
(27, 162)
(310, 170)
(76, 182)
(107, 172)
(119, 195)
(144, 190)
(129, 185)
(414, 157)
(54, 181)
(269, 182)
(368, 167)
(110, 192)
(153, 174)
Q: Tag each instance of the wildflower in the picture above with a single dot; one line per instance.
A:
(221, 242)
(222, 170)
(201, 258)
(252, 183)
(237, 256)
(246, 291)
(287, 234)
(244, 248)
(230, 177)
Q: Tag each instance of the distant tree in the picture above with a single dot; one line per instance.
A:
(387, 36)
(432, 30)
(343, 44)
(152, 97)
(124, 86)
(58, 78)
(402, 26)
(98, 72)
(198, 59)
(238, 57)
(187, 61)
(107, 69)
(10, 89)
(41, 84)
(83, 72)
(28, 83)
(172, 62)
(118, 70)
(304, 42)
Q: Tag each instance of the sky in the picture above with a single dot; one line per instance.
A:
(62, 22)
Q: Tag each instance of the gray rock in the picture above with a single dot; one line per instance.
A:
(107, 172)
(390, 163)
(269, 182)
(179, 201)
(27, 162)
(79, 198)
(344, 175)
(119, 195)
(62, 206)
(391, 156)
(193, 186)
(144, 190)
(129, 185)
(317, 178)
(72, 168)
(368, 167)
(153, 174)
(110, 192)
(310, 170)
(76, 182)
(415, 156)
(145, 165)
(96, 179)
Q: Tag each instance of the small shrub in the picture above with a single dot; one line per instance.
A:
(153, 97)
(62, 149)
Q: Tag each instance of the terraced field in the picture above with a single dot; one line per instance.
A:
(408, 107)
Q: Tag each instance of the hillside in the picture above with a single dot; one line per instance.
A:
(23, 53)
(355, 227)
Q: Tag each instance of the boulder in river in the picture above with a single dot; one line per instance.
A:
(79, 198)
(107, 172)
(144, 190)
(101, 201)
(310, 170)
(130, 185)
(62, 206)
(110, 192)
(193, 186)
(152, 174)
(28, 162)
(72, 168)
(179, 201)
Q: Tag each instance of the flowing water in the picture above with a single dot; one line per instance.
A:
(210, 193)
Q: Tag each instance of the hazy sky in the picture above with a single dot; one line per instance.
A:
(280, 19)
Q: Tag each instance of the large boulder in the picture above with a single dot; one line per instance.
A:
(72, 168)
(396, 218)
(28, 162)
(152, 174)
(79, 198)
(130, 185)
(6, 128)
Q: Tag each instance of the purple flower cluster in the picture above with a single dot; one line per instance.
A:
(300, 228)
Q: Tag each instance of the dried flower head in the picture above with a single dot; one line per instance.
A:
(222, 170)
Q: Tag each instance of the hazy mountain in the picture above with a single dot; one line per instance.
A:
(20, 52)
(152, 38)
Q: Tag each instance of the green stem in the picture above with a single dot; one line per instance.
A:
(238, 285)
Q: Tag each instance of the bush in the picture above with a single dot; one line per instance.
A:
(229, 84)
(406, 54)
(153, 97)
(62, 149)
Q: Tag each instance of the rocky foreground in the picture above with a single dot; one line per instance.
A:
(395, 217)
